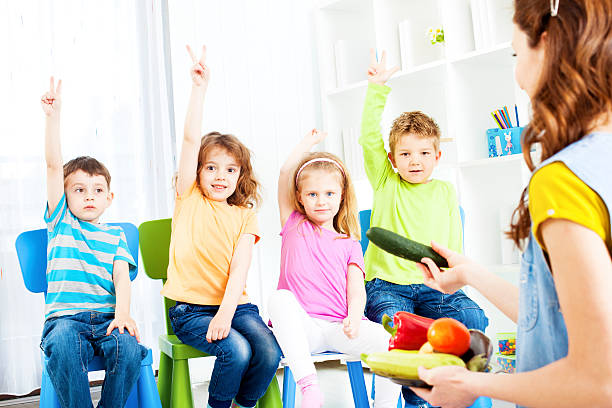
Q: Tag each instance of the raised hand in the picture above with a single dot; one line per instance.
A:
(378, 72)
(315, 136)
(200, 74)
(51, 101)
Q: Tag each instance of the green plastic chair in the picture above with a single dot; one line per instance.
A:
(174, 385)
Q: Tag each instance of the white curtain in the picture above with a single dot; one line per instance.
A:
(108, 55)
(119, 108)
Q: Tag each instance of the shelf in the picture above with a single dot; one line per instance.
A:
(342, 5)
(490, 56)
(492, 161)
(427, 71)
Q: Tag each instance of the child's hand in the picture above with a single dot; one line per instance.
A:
(51, 101)
(350, 326)
(120, 322)
(219, 327)
(315, 136)
(200, 74)
(378, 72)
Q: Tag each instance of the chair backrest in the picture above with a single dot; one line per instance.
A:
(364, 221)
(155, 250)
(31, 249)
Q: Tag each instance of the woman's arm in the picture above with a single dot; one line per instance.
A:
(463, 271)
(582, 271)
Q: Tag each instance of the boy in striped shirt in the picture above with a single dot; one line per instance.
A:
(89, 266)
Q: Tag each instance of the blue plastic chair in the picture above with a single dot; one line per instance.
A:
(355, 372)
(364, 221)
(32, 253)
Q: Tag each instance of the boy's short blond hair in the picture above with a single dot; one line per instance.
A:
(416, 123)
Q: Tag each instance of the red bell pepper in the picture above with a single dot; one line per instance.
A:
(409, 331)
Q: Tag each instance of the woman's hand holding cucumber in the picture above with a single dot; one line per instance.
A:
(461, 271)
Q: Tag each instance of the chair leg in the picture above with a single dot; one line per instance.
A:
(272, 397)
(373, 392)
(164, 379)
(288, 388)
(360, 394)
(181, 385)
(148, 397)
(48, 396)
(482, 402)
(132, 401)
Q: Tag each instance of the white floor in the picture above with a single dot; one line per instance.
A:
(333, 378)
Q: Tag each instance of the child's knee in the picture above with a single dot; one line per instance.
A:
(62, 338)
(125, 348)
(475, 318)
(279, 300)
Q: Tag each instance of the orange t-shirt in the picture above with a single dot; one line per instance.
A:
(204, 236)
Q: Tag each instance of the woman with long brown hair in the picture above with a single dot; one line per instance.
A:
(563, 307)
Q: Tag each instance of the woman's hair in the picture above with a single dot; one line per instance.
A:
(247, 187)
(575, 87)
(346, 220)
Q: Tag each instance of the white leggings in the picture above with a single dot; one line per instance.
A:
(299, 335)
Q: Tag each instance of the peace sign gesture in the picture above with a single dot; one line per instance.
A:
(51, 100)
(378, 72)
(200, 74)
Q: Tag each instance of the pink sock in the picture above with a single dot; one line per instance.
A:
(311, 393)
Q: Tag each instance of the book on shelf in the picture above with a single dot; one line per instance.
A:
(406, 47)
(353, 155)
(351, 59)
(492, 22)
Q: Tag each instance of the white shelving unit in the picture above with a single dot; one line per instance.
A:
(457, 84)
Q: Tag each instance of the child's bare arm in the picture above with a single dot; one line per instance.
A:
(220, 325)
(121, 280)
(285, 205)
(356, 299)
(51, 104)
(188, 163)
(376, 164)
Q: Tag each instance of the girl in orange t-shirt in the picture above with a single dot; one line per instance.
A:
(214, 229)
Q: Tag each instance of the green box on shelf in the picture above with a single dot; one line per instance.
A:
(506, 343)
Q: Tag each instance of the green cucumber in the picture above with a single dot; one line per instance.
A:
(405, 363)
(403, 247)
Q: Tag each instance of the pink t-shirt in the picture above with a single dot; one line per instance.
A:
(314, 264)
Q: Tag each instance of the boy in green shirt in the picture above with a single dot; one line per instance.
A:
(411, 204)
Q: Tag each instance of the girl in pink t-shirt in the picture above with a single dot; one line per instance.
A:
(321, 296)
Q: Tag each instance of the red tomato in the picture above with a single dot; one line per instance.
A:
(450, 336)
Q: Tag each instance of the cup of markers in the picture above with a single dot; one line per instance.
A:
(505, 139)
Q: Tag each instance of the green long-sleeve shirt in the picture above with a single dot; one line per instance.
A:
(421, 212)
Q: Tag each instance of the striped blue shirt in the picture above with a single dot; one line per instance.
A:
(80, 258)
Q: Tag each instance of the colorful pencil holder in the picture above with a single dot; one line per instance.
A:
(504, 142)
(507, 363)
(506, 343)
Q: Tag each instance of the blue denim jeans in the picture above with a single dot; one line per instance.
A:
(70, 343)
(387, 298)
(247, 358)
